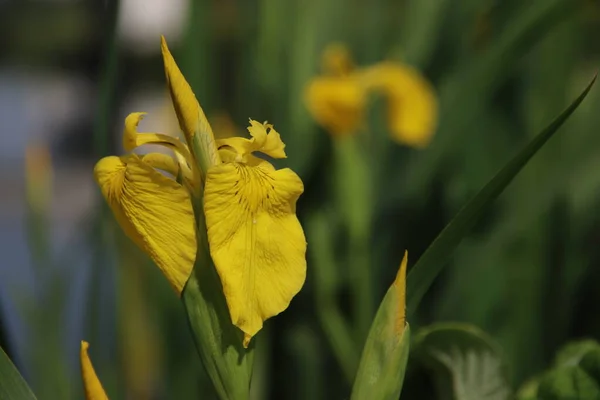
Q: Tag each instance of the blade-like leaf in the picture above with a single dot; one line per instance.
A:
(435, 257)
(12, 384)
(467, 362)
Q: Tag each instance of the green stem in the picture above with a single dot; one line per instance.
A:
(335, 326)
(354, 197)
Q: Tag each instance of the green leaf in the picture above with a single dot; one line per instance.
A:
(383, 363)
(572, 353)
(582, 355)
(436, 256)
(569, 382)
(466, 361)
(528, 391)
(12, 384)
(218, 341)
(591, 363)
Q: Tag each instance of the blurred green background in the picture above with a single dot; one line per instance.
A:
(70, 71)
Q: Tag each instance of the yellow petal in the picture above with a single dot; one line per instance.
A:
(265, 139)
(192, 120)
(91, 383)
(400, 284)
(412, 108)
(161, 161)
(256, 241)
(337, 103)
(132, 138)
(154, 211)
(336, 60)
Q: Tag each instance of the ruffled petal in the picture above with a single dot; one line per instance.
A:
(192, 120)
(337, 103)
(91, 384)
(256, 241)
(154, 211)
(265, 139)
(412, 107)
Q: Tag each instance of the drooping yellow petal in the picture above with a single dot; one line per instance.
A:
(337, 103)
(400, 284)
(154, 211)
(192, 120)
(256, 241)
(412, 107)
(91, 384)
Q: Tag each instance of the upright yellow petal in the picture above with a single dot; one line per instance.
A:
(154, 211)
(192, 120)
(132, 138)
(337, 103)
(256, 241)
(267, 139)
(412, 107)
(336, 60)
(91, 383)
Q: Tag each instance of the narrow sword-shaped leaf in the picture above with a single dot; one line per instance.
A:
(436, 256)
(12, 384)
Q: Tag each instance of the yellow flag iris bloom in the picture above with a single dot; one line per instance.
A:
(255, 239)
(338, 98)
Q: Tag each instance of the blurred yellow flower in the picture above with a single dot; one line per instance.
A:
(338, 98)
(255, 239)
(91, 384)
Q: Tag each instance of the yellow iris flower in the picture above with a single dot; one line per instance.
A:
(338, 98)
(255, 239)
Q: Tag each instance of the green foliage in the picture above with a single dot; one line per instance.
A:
(568, 382)
(12, 384)
(574, 375)
(524, 271)
(435, 257)
(467, 363)
(383, 363)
